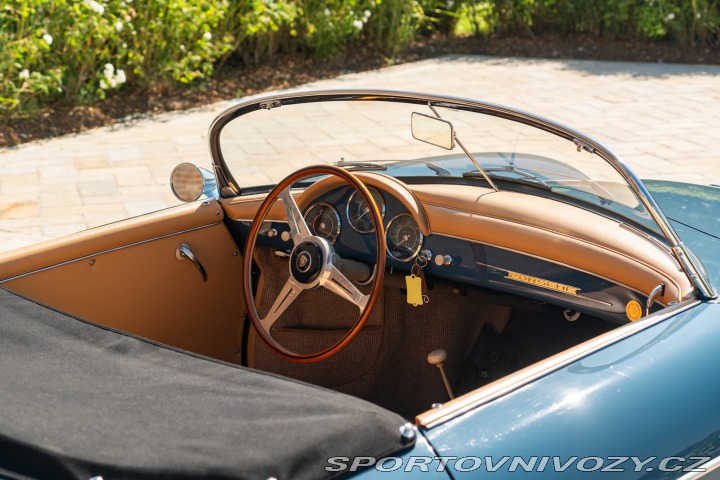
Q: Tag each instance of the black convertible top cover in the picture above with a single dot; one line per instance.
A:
(79, 400)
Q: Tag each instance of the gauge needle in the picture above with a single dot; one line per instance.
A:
(365, 212)
(405, 239)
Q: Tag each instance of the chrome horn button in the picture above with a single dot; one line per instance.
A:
(306, 262)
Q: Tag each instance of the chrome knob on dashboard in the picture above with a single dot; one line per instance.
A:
(443, 260)
(272, 233)
(285, 236)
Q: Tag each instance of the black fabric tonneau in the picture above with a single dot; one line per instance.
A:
(79, 400)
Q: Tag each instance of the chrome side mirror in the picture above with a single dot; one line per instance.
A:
(189, 182)
(432, 130)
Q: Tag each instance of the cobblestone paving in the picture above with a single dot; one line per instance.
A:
(663, 120)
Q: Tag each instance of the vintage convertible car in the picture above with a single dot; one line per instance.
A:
(412, 284)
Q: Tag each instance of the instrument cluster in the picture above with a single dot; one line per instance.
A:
(402, 234)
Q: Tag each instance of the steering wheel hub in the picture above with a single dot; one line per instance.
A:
(306, 262)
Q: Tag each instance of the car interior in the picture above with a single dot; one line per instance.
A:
(477, 282)
(128, 276)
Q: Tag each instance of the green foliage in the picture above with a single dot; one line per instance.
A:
(80, 51)
(688, 22)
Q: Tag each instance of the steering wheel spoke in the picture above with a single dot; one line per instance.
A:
(290, 291)
(296, 221)
(339, 284)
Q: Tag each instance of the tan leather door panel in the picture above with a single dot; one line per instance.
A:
(139, 285)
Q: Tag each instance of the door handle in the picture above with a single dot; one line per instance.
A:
(183, 252)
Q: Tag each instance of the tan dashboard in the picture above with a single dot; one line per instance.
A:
(542, 228)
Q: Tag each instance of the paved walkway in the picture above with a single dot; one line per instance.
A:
(664, 120)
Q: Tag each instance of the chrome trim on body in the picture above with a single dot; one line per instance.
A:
(504, 386)
(710, 467)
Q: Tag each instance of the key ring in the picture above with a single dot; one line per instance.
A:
(419, 259)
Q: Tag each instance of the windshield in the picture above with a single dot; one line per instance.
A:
(264, 146)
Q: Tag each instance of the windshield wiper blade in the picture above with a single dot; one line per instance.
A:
(440, 171)
(524, 180)
(356, 166)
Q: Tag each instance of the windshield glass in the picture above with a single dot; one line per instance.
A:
(264, 146)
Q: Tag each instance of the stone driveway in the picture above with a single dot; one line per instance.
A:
(664, 120)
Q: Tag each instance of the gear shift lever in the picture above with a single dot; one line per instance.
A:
(437, 357)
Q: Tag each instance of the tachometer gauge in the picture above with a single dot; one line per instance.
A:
(403, 238)
(323, 220)
(358, 211)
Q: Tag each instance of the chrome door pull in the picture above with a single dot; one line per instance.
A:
(657, 291)
(183, 252)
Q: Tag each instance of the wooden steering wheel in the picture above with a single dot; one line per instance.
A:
(312, 264)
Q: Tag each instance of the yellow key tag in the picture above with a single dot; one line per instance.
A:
(413, 284)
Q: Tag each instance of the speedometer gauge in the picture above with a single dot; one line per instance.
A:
(403, 238)
(323, 220)
(358, 211)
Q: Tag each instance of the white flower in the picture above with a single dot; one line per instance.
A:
(450, 3)
(109, 69)
(367, 13)
(182, 47)
(103, 85)
(113, 83)
(207, 36)
(25, 74)
(48, 39)
(120, 77)
(118, 26)
(670, 17)
(95, 6)
(698, 16)
(358, 24)
(326, 12)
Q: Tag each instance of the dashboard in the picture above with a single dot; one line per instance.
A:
(506, 241)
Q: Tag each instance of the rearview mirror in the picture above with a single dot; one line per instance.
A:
(189, 182)
(433, 130)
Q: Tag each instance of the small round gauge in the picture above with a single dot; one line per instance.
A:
(403, 238)
(323, 220)
(358, 211)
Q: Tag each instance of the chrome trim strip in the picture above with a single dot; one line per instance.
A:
(546, 260)
(107, 251)
(711, 466)
(571, 295)
(690, 264)
(519, 379)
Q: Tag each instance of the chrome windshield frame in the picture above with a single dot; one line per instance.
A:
(228, 187)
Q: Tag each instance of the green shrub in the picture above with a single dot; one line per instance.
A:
(75, 51)
(688, 22)
(80, 51)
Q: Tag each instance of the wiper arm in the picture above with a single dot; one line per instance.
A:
(358, 166)
(467, 152)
